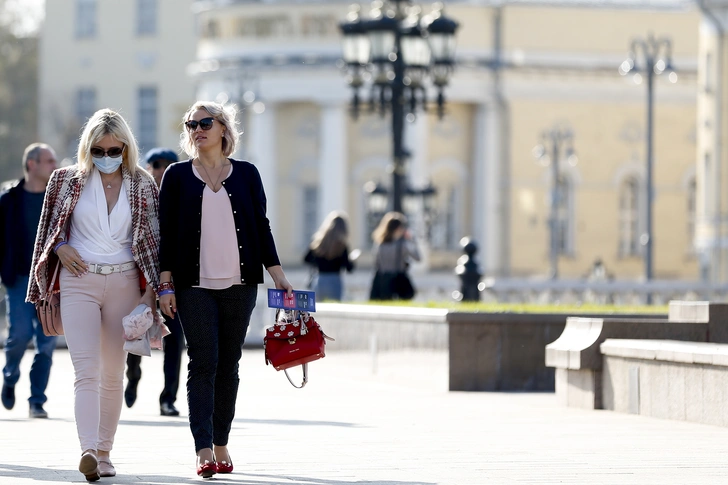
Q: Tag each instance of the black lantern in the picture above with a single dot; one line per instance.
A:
(382, 32)
(356, 54)
(441, 30)
(377, 197)
(428, 194)
(404, 48)
(356, 45)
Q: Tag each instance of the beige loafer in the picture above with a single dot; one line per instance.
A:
(106, 468)
(89, 466)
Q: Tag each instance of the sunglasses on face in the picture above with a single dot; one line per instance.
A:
(112, 152)
(157, 164)
(204, 123)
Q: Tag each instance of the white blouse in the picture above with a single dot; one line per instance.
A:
(100, 237)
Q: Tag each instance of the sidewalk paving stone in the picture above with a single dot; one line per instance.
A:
(361, 422)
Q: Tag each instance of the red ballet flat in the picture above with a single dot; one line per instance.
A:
(224, 467)
(207, 469)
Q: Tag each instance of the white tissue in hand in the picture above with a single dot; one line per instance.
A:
(137, 322)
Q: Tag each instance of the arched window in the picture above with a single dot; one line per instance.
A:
(629, 196)
(444, 231)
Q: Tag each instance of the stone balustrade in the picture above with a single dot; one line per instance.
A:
(487, 351)
(667, 379)
(577, 357)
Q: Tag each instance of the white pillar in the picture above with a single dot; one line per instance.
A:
(415, 140)
(490, 229)
(333, 162)
(263, 155)
(418, 176)
(479, 187)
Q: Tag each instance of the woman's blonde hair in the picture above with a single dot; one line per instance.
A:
(388, 226)
(330, 240)
(107, 122)
(226, 115)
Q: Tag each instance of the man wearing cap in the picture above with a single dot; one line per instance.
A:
(157, 160)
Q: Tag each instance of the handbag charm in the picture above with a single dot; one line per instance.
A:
(295, 339)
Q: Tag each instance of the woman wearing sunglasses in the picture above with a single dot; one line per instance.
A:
(215, 241)
(100, 224)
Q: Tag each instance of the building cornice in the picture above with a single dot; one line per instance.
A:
(676, 5)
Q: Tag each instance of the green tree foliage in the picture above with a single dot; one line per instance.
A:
(18, 94)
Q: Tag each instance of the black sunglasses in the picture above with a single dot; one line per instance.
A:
(159, 163)
(204, 123)
(112, 152)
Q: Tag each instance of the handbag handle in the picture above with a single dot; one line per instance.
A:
(305, 377)
(49, 291)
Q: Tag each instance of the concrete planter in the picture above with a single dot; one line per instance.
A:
(488, 351)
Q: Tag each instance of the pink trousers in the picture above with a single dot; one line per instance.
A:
(92, 307)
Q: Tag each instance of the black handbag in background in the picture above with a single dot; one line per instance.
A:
(393, 285)
(402, 286)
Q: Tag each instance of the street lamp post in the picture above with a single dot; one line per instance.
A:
(560, 140)
(396, 48)
(656, 57)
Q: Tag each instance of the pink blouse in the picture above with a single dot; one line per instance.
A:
(219, 256)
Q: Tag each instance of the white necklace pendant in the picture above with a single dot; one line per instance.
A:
(108, 186)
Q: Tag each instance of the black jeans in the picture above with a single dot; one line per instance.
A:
(215, 323)
(174, 345)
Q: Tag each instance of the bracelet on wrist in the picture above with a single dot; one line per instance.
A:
(167, 285)
(166, 292)
(55, 248)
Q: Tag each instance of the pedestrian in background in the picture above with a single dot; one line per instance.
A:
(157, 160)
(215, 240)
(328, 253)
(20, 208)
(100, 223)
(396, 248)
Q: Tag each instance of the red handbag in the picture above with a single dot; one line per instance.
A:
(295, 339)
(48, 309)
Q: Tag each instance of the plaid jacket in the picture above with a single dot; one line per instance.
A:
(62, 194)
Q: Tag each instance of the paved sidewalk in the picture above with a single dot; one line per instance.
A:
(350, 426)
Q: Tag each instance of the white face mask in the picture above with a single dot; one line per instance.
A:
(108, 164)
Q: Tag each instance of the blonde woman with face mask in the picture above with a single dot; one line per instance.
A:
(100, 224)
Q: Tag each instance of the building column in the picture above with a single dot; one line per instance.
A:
(333, 164)
(416, 135)
(480, 189)
(490, 192)
(263, 155)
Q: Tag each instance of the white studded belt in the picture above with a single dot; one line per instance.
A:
(111, 268)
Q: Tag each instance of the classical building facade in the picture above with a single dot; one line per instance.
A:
(523, 68)
(712, 150)
(129, 56)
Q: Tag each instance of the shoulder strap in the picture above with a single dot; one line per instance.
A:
(49, 292)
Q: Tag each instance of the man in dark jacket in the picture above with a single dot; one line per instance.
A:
(20, 208)
(158, 159)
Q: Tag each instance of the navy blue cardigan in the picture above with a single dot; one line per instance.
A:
(180, 222)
